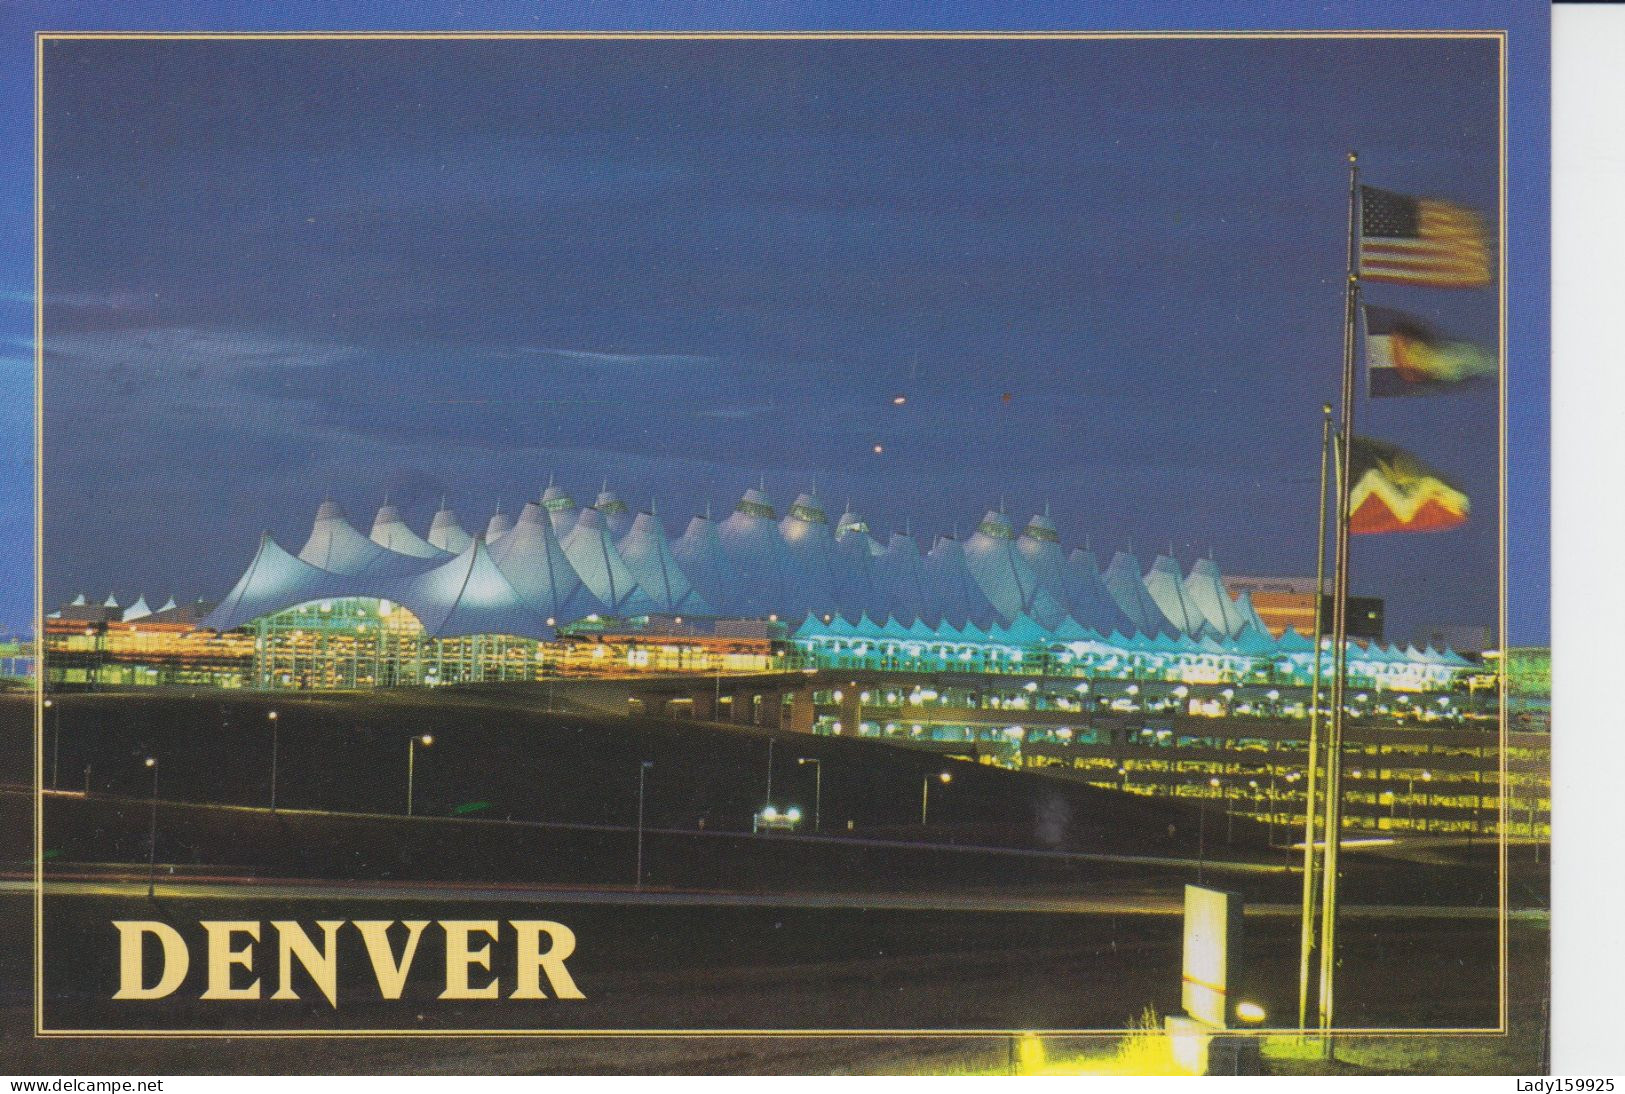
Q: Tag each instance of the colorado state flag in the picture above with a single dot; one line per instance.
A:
(1405, 356)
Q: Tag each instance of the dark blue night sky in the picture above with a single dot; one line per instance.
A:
(276, 270)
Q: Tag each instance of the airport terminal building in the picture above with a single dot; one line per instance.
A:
(1003, 646)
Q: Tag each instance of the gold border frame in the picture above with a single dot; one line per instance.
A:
(1500, 36)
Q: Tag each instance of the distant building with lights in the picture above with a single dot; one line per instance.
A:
(1289, 602)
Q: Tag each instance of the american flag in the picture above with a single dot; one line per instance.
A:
(1419, 241)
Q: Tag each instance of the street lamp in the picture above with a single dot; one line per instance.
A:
(925, 791)
(818, 789)
(271, 717)
(1410, 796)
(643, 770)
(411, 763)
(152, 829)
(56, 738)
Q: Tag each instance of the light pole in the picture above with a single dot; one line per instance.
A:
(152, 829)
(925, 791)
(411, 764)
(1201, 831)
(271, 717)
(1410, 797)
(643, 770)
(56, 738)
(818, 790)
(769, 798)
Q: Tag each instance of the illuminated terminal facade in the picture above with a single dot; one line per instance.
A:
(1001, 647)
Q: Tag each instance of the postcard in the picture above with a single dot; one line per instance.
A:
(802, 547)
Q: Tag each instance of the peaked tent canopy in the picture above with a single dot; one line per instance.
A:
(446, 534)
(390, 532)
(648, 556)
(561, 509)
(1004, 574)
(952, 586)
(851, 524)
(592, 553)
(1040, 546)
(498, 526)
(468, 595)
(810, 542)
(536, 566)
(273, 582)
(617, 518)
(700, 555)
(1092, 603)
(338, 548)
(1166, 584)
(900, 579)
(751, 540)
(1128, 589)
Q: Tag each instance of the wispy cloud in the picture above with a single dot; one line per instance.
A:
(84, 301)
(193, 347)
(630, 360)
(740, 413)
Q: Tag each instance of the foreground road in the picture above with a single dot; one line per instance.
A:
(240, 888)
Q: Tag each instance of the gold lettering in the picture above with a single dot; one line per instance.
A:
(532, 960)
(391, 976)
(222, 957)
(459, 957)
(292, 941)
(176, 959)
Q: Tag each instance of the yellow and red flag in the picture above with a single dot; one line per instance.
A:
(1392, 491)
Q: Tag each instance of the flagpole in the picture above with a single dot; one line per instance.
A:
(1340, 586)
(1312, 762)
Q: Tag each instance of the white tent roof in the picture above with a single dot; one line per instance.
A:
(1092, 603)
(534, 563)
(338, 548)
(699, 553)
(1040, 545)
(1249, 614)
(561, 509)
(1166, 584)
(751, 540)
(111, 601)
(953, 588)
(853, 526)
(1128, 589)
(448, 535)
(811, 545)
(274, 581)
(616, 515)
(138, 610)
(390, 532)
(498, 526)
(648, 556)
(751, 564)
(1204, 587)
(467, 594)
(1006, 577)
(602, 569)
(901, 581)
